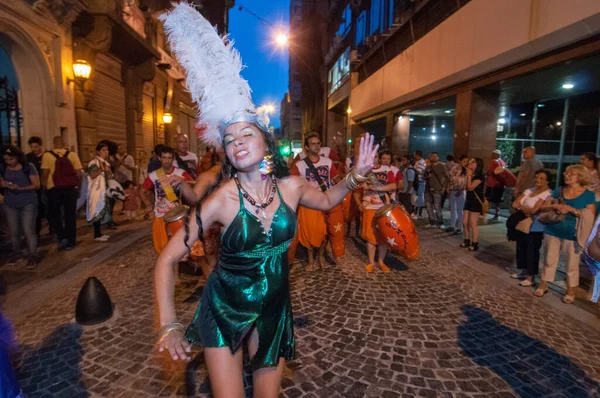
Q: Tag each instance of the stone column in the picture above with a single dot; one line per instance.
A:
(400, 136)
(475, 124)
(134, 78)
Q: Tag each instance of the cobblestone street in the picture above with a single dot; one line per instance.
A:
(437, 327)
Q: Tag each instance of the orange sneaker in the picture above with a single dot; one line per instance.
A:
(369, 267)
(384, 268)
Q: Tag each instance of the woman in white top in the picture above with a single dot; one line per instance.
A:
(528, 247)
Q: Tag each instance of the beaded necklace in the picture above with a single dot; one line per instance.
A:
(252, 201)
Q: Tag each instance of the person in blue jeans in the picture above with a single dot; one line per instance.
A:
(20, 180)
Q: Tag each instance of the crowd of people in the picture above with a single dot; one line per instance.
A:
(53, 185)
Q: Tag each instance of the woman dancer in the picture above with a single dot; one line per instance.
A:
(246, 298)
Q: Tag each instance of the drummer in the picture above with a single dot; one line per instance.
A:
(166, 197)
(316, 228)
(373, 198)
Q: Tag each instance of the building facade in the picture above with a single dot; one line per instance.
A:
(133, 83)
(291, 112)
(467, 76)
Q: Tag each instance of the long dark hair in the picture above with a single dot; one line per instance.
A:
(14, 151)
(479, 170)
(280, 170)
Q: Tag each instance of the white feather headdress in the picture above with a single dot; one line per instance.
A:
(213, 69)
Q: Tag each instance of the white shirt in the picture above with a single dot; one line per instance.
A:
(325, 169)
(530, 202)
(324, 152)
(191, 161)
(123, 173)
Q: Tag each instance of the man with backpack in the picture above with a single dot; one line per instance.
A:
(61, 177)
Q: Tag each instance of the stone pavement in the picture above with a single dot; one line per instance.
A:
(442, 326)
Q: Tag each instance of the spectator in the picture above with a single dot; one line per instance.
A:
(457, 193)
(407, 194)
(590, 162)
(125, 165)
(560, 238)
(450, 163)
(473, 204)
(61, 176)
(130, 205)
(99, 208)
(154, 163)
(187, 161)
(436, 178)
(420, 165)
(529, 166)
(495, 189)
(20, 180)
(142, 168)
(528, 244)
(35, 158)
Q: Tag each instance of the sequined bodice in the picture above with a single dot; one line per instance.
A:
(246, 237)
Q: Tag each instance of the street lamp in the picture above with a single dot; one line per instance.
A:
(167, 118)
(81, 70)
(281, 39)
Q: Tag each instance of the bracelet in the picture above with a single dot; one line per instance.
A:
(168, 328)
(357, 176)
(351, 182)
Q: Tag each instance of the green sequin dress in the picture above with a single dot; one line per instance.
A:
(249, 288)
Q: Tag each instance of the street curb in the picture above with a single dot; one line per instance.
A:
(19, 302)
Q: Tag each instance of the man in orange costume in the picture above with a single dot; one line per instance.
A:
(314, 226)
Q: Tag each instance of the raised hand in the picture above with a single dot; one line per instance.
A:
(366, 154)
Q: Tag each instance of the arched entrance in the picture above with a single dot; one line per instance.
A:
(34, 81)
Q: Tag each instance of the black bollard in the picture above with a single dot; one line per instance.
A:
(93, 303)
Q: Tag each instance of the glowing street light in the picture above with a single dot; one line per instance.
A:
(282, 39)
(269, 108)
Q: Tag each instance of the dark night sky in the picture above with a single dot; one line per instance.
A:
(266, 65)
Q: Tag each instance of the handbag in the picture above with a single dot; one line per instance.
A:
(485, 205)
(524, 225)
(551, 216)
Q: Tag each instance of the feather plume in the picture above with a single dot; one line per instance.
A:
(212, 66)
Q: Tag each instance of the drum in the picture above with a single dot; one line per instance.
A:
(175, 218)
(393, 227)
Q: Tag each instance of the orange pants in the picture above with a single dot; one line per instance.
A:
(334, 219)
(367, 227)
(159, 234)
(311, 230)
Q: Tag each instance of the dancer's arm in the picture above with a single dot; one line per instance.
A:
(164, 282)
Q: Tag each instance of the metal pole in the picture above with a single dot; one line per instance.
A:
(563, 136)
(534, 122)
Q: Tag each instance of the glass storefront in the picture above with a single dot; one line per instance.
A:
(555, 110)
(432, 128)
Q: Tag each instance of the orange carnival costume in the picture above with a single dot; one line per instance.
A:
(313, 225)
(372, 201)
(165, 199)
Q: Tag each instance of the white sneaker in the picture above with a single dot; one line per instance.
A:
(526, 283)
(415, 217)
(429, 226)
(102, 238)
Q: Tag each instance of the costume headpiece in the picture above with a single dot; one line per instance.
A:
(213, 69)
